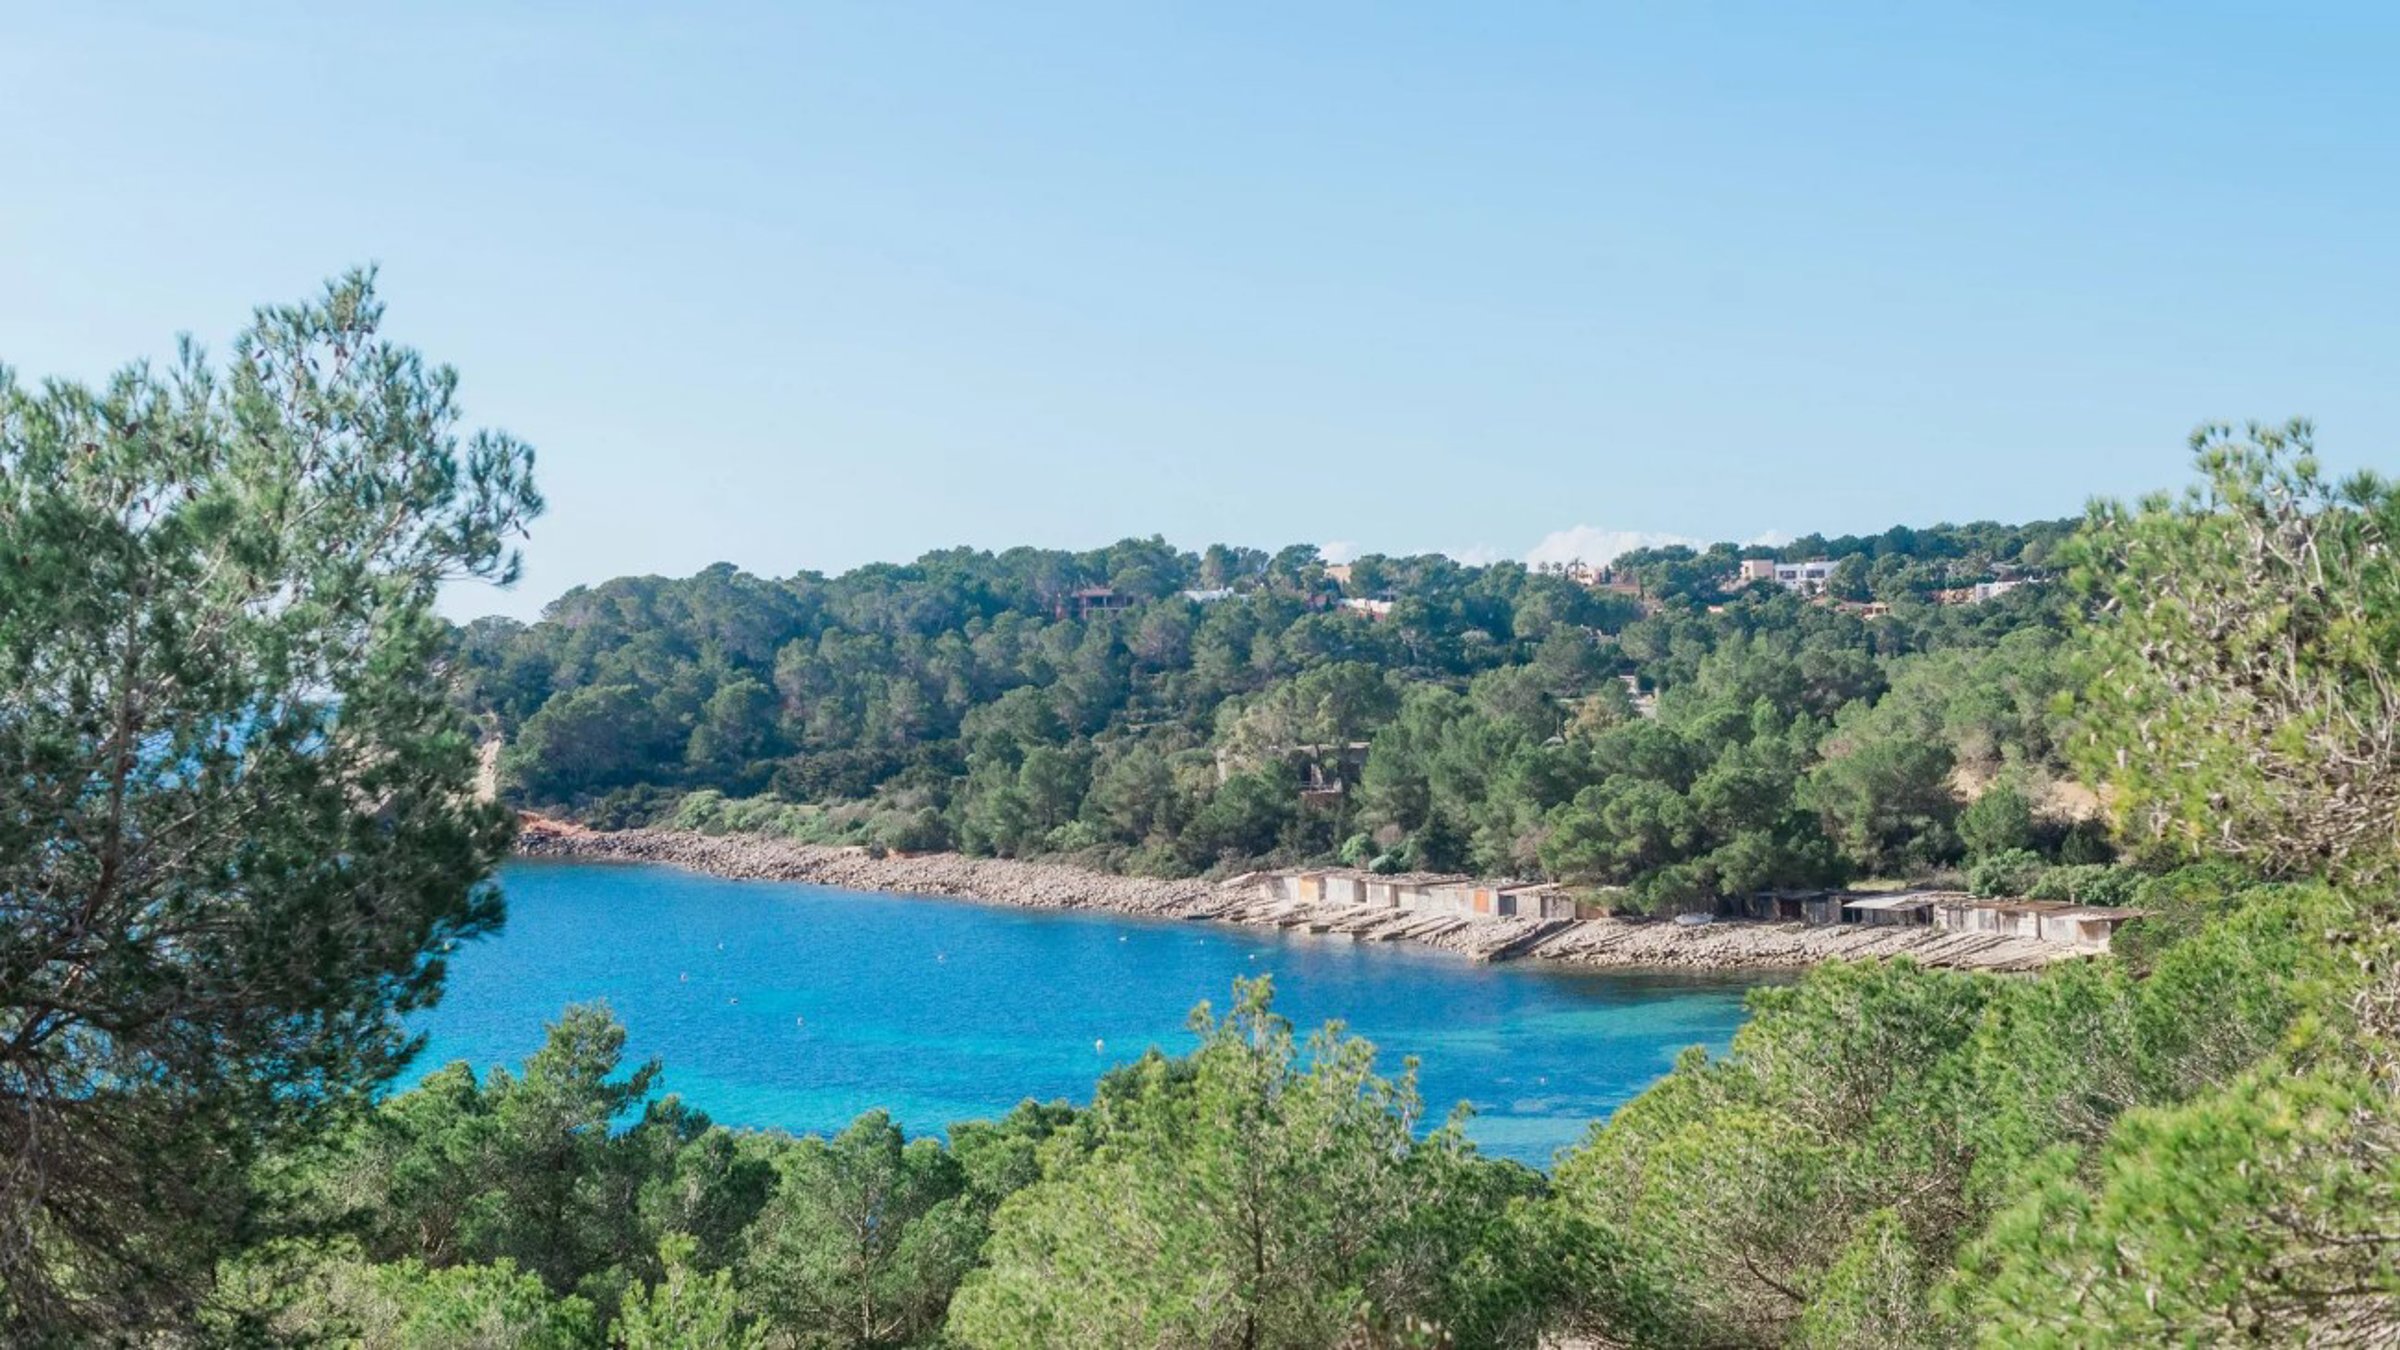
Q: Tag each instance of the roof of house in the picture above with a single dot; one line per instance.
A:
(2025, 906)
(1891, 903)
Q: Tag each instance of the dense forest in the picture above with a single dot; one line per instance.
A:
(1659, 726)
(239, 833)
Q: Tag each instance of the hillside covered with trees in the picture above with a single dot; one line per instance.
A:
(1660, 726)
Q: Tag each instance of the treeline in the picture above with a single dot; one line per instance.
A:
(1163, 712)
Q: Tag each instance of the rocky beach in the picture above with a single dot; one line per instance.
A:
(1608, 942)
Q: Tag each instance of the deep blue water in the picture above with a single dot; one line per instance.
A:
(776, 1004)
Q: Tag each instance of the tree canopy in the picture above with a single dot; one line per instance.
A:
(236, 822)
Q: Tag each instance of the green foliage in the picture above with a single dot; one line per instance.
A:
(1247, 818)
(2088, 884)
(1873, 1296)
(625, 1209)
(2261, 1213)
(1872, 1121)
(600, 735)
(1258, 1193)
(686, 1310)
(1999, 821)
(407, 1305)
(525, 1167)
(965, 700)
(865, 1239)
(235, 815)
(2238, 691)
(1886, 802)
(2009, 874)
(1286, 1182)
(2178, 905)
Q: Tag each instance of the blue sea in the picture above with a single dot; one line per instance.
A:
(797, 1007)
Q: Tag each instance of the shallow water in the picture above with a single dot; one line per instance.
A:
(778, 1004)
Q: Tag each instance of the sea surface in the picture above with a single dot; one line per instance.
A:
(791, 1006)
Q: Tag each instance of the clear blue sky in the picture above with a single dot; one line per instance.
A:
(804, 287)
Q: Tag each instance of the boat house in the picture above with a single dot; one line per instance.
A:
(1911, 910)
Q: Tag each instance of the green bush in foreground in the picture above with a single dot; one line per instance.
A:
(1261, 1190)
(1883, 1111)
(1257, 1193)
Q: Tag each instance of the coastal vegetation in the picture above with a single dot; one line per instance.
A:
(1232, 707)
(241, 833)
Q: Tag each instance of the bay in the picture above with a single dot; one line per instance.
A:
(797, 1007)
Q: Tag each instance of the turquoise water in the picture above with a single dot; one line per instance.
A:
(776, 1004)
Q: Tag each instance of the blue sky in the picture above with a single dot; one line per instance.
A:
(805, 287)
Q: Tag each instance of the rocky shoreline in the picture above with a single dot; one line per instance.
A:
(1035, 885)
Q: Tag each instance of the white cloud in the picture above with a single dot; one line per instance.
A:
(1474, 555)
(1339, 550)
(1768, 539)
(1596, 547)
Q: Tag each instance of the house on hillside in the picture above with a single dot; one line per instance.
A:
(1979, 592)
(1085, 601)
(1644, 704)
(1804, 578)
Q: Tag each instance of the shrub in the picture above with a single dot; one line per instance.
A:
(2091, 884)
(2000, 821)
(1073, 837)
(921, 830)
(2011, 873)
